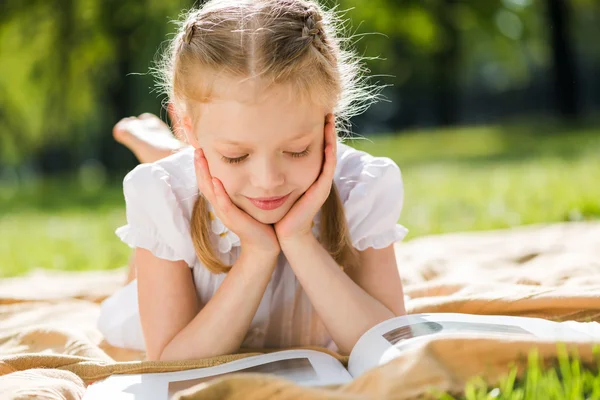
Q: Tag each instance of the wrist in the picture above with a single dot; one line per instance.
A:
(297, 242)
(262, 257)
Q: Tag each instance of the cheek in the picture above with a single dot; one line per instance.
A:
(226, 174)
(307, 173)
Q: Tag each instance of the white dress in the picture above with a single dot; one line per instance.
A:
(159, 200)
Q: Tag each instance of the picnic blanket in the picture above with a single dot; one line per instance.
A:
(50, 347)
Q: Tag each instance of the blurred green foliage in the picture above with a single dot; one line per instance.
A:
(71, 68)
(66, 67)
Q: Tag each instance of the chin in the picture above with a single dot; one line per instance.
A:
(269, 217)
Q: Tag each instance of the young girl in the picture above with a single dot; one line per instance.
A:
(265, 231)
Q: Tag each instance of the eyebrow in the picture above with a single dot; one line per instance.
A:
(236, 143)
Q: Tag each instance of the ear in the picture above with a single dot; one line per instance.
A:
(175, 122)
(190, 136)
(329, 117)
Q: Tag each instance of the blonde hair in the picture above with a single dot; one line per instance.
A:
(277, 42)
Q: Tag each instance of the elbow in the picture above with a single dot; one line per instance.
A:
(168, 354)
(401, 312)
(154, 355)
(389, 313)
(167, 357)
(398, 309)
(157, 353)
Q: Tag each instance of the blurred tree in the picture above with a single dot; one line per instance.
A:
(446, 62)
(136, 29)
(54, 156)
(71, 68)
(119, 20)
(68, 72)
(421, 47)
(51, 74)
(563, 57)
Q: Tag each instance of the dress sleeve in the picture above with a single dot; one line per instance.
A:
(373, 195)
(155, 219)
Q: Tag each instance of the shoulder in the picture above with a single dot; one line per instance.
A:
(372, 192)
(171, 178)
(360, 171)
(159, 199)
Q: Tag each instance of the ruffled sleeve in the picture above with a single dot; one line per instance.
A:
(372, 191)
(155, 219)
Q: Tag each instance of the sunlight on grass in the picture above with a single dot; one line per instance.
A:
(460, 179)
(66, 240)
(489, 178)
(451, 197)
(61, 224)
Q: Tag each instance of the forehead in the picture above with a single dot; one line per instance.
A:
(250, 115)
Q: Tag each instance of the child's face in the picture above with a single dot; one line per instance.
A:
(261, 149)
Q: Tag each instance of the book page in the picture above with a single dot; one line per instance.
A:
(386, 341)
(305, 367)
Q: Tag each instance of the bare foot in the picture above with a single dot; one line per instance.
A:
(147, 136)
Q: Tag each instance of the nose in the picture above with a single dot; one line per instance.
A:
(267, 175)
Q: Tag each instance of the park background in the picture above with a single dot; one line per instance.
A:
(491, 112)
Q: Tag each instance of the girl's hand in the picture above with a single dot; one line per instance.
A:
(297, 222)
(254, 236)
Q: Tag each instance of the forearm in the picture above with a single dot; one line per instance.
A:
(221, 325)
(346, 310)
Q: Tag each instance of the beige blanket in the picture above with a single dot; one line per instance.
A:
(50, 348)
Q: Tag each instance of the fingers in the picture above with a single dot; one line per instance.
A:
(330, 162)
(223, 200)
(214, 191)
(330, 149)
(233, 217)
(330, 135)
(203, 177)
(320, 189)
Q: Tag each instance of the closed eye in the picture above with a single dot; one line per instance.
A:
(234, 160)
(238, 160)
(300, 154)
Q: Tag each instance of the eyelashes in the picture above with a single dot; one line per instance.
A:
(301, 154)
(238, 160)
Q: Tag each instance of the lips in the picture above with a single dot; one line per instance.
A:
(269, 203)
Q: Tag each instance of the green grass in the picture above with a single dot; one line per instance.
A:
(495, 177)
(67, 240)
(462, 179)
(63, 225)
(565, 379)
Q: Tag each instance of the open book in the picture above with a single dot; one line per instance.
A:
(379, 345)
